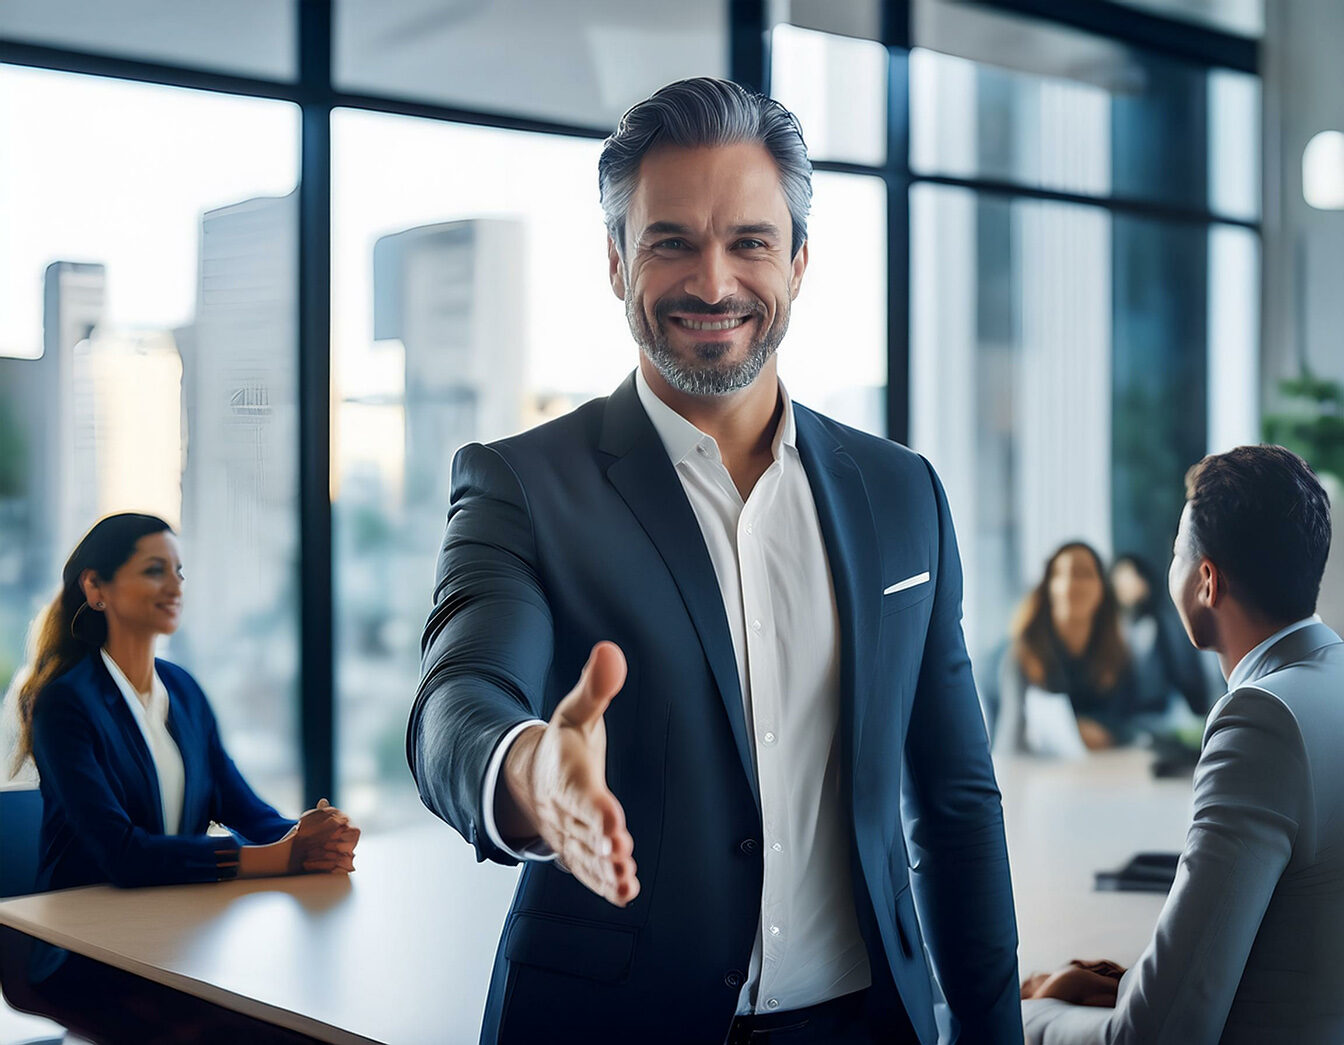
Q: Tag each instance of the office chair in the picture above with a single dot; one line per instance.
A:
(20, 827)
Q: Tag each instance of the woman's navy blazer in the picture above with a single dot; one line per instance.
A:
(102, 818)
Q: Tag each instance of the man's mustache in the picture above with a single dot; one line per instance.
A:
(726, 307)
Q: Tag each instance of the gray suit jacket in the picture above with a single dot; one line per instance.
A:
(1250, 944)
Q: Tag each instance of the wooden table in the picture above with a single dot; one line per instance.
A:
(399, 952)
(1066, 820)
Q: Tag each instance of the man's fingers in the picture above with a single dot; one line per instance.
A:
(612, 879)
(602, 678)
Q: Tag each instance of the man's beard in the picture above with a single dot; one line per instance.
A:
(707, 373)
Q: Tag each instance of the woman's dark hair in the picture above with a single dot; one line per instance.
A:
(69, 628)
(1036, 644)
(1141, 566)
(1260, 515)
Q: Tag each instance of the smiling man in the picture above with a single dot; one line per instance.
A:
(696, 657)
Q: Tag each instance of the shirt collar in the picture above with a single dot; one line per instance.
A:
(680, 437)
(1251, 666)
(158, 694)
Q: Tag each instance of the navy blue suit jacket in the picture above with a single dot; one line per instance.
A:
(102, 817)
(579, 530)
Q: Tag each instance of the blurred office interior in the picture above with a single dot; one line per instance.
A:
(265, 264)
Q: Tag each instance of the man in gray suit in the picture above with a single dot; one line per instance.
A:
(1250, 944)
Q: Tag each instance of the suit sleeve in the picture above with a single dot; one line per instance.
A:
(1251, 793)
(487, 645)
(66, 752)
(954, 815)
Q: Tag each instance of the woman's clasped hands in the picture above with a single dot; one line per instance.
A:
(323, 841)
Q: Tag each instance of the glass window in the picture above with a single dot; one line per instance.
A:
(147, 362)
(837, 87)
(835, 356)
(1068, 365)
(246, 37)
(471, 301)
(1003, 98)
(1234, 338)
(580, 63)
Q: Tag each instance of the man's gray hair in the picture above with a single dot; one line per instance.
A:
(698, 112)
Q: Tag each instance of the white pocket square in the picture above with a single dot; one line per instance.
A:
(909, 582)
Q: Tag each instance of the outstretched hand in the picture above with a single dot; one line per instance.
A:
(555, 778)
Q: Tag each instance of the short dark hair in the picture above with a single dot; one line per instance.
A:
(1261, 516)
(697, 112)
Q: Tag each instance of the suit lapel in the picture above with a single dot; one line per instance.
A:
(648, 483)
(133, 741)
(181, 729)
(850, 536)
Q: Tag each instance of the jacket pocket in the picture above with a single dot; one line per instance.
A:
(906, 597)
(570, 946)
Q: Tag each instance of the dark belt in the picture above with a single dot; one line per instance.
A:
(840, 1018)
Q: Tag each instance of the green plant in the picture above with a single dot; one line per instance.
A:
(1312, 424)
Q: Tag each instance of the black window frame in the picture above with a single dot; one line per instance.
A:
(316, 95)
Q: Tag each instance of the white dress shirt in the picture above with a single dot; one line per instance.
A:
(151, 715)
(770, 561)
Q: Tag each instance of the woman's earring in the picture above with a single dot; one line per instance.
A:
(99, 606)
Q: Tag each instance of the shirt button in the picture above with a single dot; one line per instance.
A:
(750, 528)
(748, 846)
(702, 451)
(769, 738)
(776, 847)
(756, 625)
(774, 930)
(773, 1003)
(734, 978)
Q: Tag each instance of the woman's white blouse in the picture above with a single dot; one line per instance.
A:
(151, 715)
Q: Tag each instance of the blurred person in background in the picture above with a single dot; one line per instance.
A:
(1167, 668)
(1065, 678)
(1249, 947)
(133, 772)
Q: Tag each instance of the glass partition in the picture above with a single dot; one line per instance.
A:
(148, 362)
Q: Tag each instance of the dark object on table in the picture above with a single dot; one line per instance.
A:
(1173, 756)
(1145, 873)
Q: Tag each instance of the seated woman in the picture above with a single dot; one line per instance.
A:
(1167, 668)
(132, 768)
(1064, 680)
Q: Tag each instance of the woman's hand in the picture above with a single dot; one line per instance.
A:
(323, 842)
(1095, 736)
(1079, 983)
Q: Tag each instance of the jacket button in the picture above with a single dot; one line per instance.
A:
(734, 979)
(748, 847)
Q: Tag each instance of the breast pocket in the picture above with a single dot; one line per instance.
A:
(907, 591)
